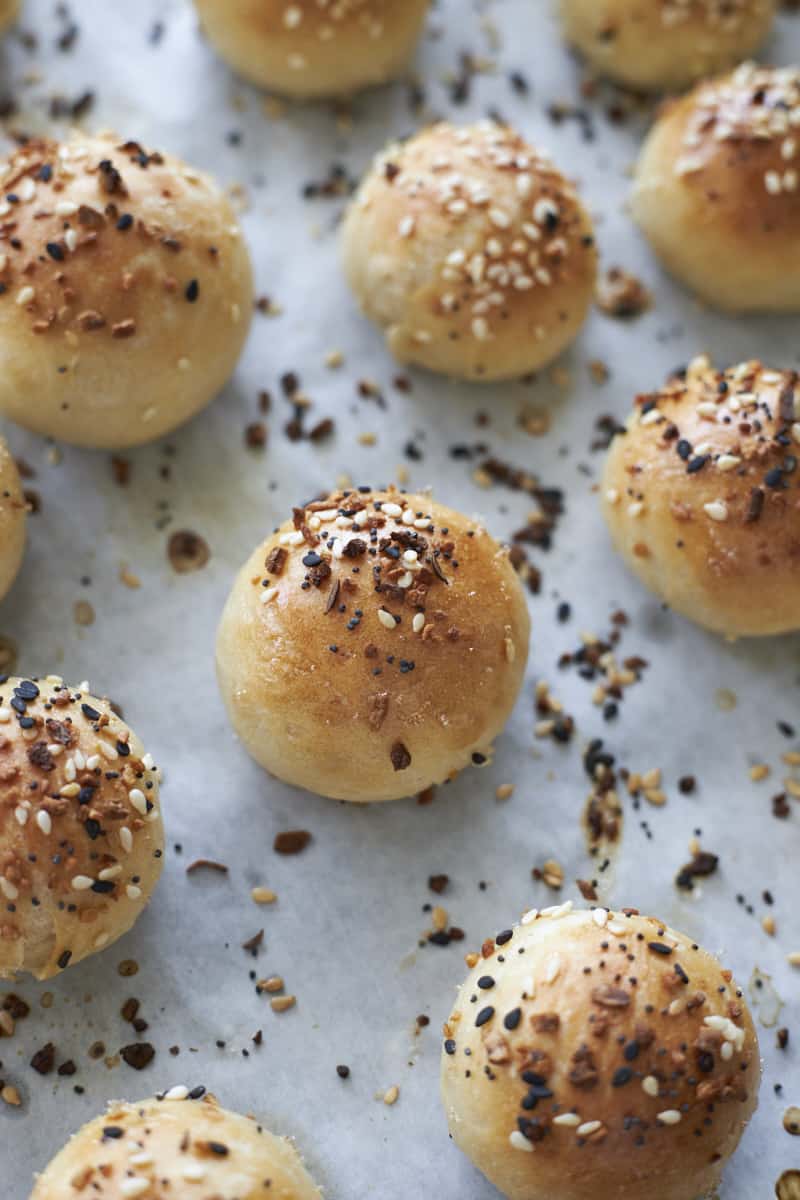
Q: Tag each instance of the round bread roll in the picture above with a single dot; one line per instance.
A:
(313, 48)
(715, 190)
(655, 45)
(702, 497)
(12, 520)
(599, 1054)
(471, 251)
(373, 646)
(81, 839)
(176, 1146)
(125, 291)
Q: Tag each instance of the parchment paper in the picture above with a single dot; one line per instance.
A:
(345, 930)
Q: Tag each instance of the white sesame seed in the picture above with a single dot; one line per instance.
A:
(21, 815)
(179, 1092)
(600, 917)
(126, 839)
(556, 911)
(138, 800)
(81, 883)
(194, 1173)
(386, 619)
(717, 510)
(670, 1116)
(635, 509)
(268, 594)
(588, 1128)
(552, 969)
(133, 892)
(109, 873)
(44, 821)
(529, 917)
(418, 624)
(25, 296)
(5, 713)
(728, 462)
(570, 1120)
(406, 227)
(650, 1085)
(391, 509)
(8, 889)
(518, 1141)
(134, 1186)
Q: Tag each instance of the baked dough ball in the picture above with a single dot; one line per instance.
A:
(597, 1054)
(373, 646)
(702, 497)
(174, 1147)
(12, 520)
(665, 44)
(125, 291)
(9, 11)
(715, 190)
(471, 251)
(81, 839)
(314, 48)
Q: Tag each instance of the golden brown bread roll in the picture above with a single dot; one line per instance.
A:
(178, 1146)
(313, 48)
(471, 251)
(125, 291)
(592, 1055)
(12, 520)
(715, 190)
(81, 837)
(702, 497)
(373, 646)
(665, 44)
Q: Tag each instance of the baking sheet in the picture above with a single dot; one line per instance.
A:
(346, 929)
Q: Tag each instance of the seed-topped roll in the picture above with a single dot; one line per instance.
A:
(81, 838)
(125, 290)
(12, 520)
(178, 1145)
(716, 190)
(701, 494)
(665, 44)
(471, 251)
(313, 48)
(599, 1054)
(373, 645)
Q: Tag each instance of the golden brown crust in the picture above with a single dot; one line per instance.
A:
(125, 290)
(81, 838)
(9, 10)
(594, 1054)
(702, 497)
(12, 520)
(665, 44)
(372, 647)
(716, 190)
(176, 1145)
(471, 251)
(308, 48)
